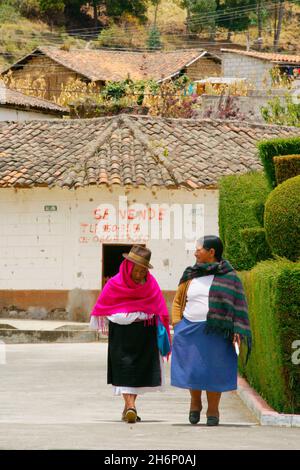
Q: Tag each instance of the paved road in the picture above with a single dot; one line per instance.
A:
(54, 396)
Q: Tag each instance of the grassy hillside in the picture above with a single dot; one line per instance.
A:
(171, 18)
(169, 14)
(20, 35)
(20, 38)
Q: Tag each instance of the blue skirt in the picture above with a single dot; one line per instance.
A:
(202, 361)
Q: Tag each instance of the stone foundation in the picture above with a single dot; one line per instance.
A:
(73, 305)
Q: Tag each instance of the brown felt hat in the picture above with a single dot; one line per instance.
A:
(139, 255)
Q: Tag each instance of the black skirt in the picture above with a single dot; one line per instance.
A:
(133, 356)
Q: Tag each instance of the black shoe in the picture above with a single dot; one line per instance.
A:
(194, 417)
(212, 421)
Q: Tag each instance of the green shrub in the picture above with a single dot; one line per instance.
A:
(241, 204)
(282, 219)
(282, 111)
(257, 245)
(268, 149)
(273, 293)
(8, 13)
(286, 167)
(29, 8)
(153, 41)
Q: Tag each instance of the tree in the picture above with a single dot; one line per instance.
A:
(259, 17)
(233, 15)
(153, 41)
(156, 3)
(278, 17)
(95, 4)
(51, 8)
(200, 15)
(115, 8)
(8, 12)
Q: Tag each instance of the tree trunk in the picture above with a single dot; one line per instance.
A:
(212, 33)
(275, 21)
(155, 12)
(259, 21)
(248, 43)
(277, 29)
(95, 14)
(188, 18)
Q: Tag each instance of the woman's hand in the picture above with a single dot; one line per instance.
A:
(236, 339)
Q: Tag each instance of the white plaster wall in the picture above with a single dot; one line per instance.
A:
(256, 71)
(52, 250)
(9, 114)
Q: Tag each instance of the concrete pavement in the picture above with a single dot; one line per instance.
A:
(54, 396)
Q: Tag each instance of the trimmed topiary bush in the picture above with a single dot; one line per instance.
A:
(257, 245)
(268, 149)
(282, 219)
(286, 167)
(241, 206)
(273, 294)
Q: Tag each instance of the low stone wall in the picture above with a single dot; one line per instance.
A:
(73, 305)
(240, 107)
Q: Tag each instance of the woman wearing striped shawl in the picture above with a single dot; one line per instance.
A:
(210, 317)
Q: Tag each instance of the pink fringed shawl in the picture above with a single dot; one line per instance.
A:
(122, 295)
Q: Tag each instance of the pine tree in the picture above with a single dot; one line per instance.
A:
(153, 41)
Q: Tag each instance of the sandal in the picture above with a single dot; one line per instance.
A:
(131, 415)
(123, 418)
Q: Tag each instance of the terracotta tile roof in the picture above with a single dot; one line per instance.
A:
(105, 65)
(129, 150)
(269, 56)
(12, 98)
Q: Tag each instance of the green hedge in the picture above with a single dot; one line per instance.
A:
(286, 167)
(282, 219)
(274, 148)
(257, 245)
(273, 293)
(241, 205)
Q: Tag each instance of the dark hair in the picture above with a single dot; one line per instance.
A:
(212, 241)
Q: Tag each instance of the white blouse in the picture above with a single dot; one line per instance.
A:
(196, 308)
(120, 318)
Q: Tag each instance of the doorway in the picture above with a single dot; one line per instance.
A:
(112, 258)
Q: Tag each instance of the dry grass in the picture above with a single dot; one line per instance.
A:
(172, 17)
(169, 14)
(18, 39)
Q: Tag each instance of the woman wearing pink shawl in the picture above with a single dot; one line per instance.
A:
(133, 303)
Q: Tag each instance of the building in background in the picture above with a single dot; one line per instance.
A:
(63, 182)
(57, 66)
(16, 106)
(257, 67)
